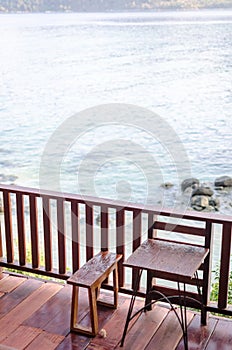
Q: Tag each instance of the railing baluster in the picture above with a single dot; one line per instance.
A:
(120, 242)
(137, 231)
(8, 226)
(61, 236)
(47, 234)
(225, 266)
(34, 231)
(75, 236)
(104, 228)
(21, 228)
(207, 269)
(89, 231)
(150, 225)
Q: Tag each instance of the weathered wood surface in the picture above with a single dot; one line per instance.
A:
(168, 258)
(95, 269)
(35, 315)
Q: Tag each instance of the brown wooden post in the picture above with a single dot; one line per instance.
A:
(104, 228)
(21, 229)
(137, 232)
(89, 230)
(47, 233)
(34, 231)
(225, 266)
(61, 236)
(207, 271)
(1, 252)
(8, 226)
(75, 236)
(120, 242)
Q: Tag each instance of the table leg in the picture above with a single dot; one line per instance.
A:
(132, 302)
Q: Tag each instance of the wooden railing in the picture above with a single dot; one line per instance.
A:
(53, 234)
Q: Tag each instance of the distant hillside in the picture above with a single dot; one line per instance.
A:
(107, 5)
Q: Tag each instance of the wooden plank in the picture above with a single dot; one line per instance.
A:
(54, 315)
(225, 266)
(169, 334)
(8, 226)
(10, 322)
(74, 342)
(114, 327)
(144, 328)
(21, 337)
(47, 234)
(89, 230)
(198, 336)
(11, 300)
(190, 230)
(222, 336)
(10, 283)
(75, 236)
(61, 236)
(21, 228)
(34, 231)
(120, 243)
(46, 341)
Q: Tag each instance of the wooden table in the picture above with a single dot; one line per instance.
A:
(168, 260)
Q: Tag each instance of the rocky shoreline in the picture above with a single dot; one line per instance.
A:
(204, 197)
(191, 194)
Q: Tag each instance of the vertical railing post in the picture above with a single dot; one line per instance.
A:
(89, 230)
(225, 266)
(8, 226)
(104, 228)
(75, 236)
(207, 271)
(1, 252)
(34, 231)
(21, 229)
(61, 236)
(120, 242)
(47, 233)
(137, 231)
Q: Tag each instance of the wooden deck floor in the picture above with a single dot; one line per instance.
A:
(36, 315)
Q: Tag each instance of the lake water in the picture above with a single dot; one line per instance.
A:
(175, 64)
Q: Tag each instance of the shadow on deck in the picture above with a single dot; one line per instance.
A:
(36, 315)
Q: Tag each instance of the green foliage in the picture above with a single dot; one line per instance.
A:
(215, 287)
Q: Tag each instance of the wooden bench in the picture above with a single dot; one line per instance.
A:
(90, 276)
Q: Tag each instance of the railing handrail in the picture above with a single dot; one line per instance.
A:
(216, 218)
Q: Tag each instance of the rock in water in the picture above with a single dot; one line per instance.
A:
(189, 183)
(223, 181)
(204, 191)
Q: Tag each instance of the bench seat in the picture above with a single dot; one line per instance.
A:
(91, 275)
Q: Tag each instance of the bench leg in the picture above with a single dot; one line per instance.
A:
(93, 310)
(74, 308)
(75, 326)
(113, 304)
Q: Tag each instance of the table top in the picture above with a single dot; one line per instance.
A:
(168, 258)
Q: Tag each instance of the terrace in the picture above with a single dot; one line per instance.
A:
(53, 234)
